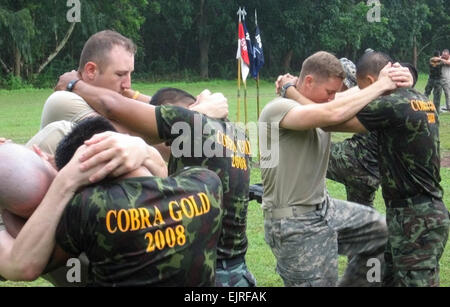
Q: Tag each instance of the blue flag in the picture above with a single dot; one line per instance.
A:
(249, 47)
(258, 54)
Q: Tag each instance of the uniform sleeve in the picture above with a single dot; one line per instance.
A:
(275, 111)
(69, 230)
(172, 121)
(379, 114)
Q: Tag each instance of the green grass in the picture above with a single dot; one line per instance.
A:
(20, 113)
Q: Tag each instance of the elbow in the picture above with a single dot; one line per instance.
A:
(30, 273)
(23, 272)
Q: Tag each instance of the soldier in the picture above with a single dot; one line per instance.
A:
(434, 82)
(409, 161)
(354, 161)
(445, 59)
(196, 140)
(136, 231)
(305, 228)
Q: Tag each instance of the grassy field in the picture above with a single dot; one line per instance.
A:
(20, 118)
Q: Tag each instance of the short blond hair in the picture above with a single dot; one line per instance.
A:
(323, 65)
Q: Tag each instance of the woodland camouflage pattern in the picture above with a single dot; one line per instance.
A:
(409, 158)
(99, 221)
(235, 180)
(354, 163)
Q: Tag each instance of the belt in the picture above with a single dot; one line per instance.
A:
(226, 263)
(277, 214)
(415, 200)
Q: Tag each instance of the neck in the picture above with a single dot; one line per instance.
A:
(140, 172)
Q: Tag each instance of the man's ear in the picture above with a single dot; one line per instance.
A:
(90, 70)
(371, 79)
(308, 81)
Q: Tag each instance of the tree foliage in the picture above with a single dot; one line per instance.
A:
(179, 38)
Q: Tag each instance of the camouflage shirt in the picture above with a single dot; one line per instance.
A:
(365, 146)
(436, 71)
(408, 143)
(218, 145)
(147, 231)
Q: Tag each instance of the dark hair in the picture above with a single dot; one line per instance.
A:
(372, 63)
(437, 53)
(82, 132)
(98, 46)
(171, 96)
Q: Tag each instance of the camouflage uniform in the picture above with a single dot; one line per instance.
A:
(229, 157)
(354, 163)
(435, 84)
(307, 245)
(409, 161)
(147, 231)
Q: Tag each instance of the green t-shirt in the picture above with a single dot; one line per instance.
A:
(218, 145)
(147, 231)
(408, 143)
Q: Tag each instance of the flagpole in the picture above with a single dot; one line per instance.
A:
(239, 92)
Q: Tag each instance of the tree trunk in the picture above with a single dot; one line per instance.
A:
(17, 61)
(5, 67)
(204, 42)
(415, 52)
(287, 60)
(58, 49)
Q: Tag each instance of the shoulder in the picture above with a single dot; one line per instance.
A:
(277, 109)
(199, 174)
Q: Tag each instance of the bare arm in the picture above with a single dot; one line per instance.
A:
(136, 95)
(26, 257)
(337, 111)
(446, 62)
(136, 116)
(124, 153)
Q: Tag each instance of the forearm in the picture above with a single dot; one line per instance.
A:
(134, 115)
(155, 163)
(293, 94)
(30, 252)
(345, 108)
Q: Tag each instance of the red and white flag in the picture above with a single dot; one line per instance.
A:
(242, 53)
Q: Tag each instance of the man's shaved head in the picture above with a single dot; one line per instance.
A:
(372, 64)
(24, 180)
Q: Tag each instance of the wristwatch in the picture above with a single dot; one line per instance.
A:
(71, 85)
(284, 89)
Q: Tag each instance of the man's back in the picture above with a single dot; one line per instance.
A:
(408, 138)
(222, 148)
(298, 177)
(147, 231)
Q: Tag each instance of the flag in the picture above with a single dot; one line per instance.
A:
(248, 41)
(242, 53)
(258, 53)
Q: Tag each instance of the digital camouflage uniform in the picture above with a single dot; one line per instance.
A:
(409, 161)
(305, 228)
(147, 231)
(354, 163)
(221, 147)
(435, 85)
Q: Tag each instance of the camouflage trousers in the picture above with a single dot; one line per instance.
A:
(417, 238)
(234, 275)
(434, 86)
(344, 167)
(307, 246)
